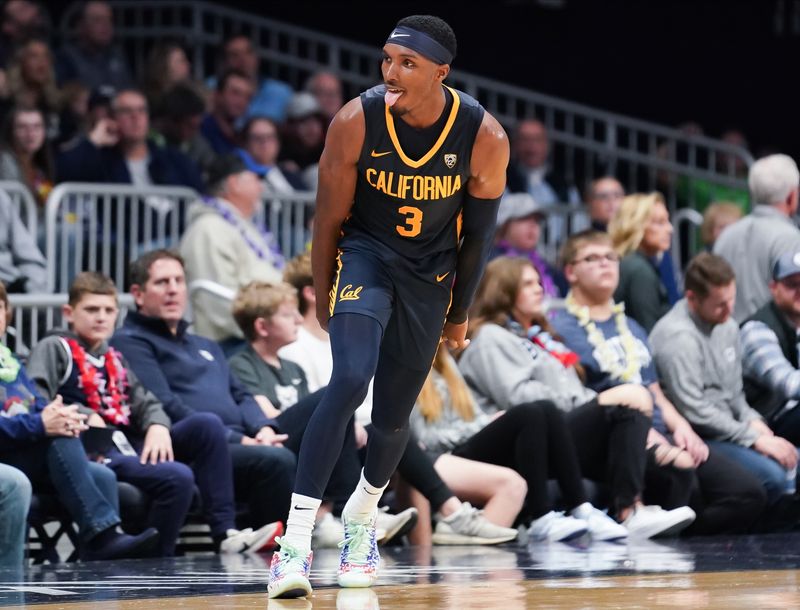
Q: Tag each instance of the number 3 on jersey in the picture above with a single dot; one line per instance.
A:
(413, 217)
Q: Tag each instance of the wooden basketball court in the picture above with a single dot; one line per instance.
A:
(730, 573)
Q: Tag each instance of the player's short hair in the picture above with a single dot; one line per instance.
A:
(435, 27)
(298, 273)
(90, 282)
(259, 300)
(573, 245)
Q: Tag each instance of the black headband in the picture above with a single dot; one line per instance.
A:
(421, 43)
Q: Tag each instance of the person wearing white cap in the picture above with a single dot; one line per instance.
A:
(770, 351)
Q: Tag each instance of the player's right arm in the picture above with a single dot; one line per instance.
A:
(337, 186)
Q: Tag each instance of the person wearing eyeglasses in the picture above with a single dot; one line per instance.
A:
(603, 198)
(641, 234)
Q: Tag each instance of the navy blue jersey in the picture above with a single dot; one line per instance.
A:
(413, 205)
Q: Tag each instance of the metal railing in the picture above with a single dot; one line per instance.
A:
(22, 198)
(587, 142)
(103, 227)
(34, 315)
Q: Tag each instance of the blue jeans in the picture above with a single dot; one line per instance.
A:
(15, 500)
(771, 474)
(61, 464)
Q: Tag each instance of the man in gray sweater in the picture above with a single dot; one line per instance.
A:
(698, 357)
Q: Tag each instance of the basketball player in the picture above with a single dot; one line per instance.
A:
(410, 169)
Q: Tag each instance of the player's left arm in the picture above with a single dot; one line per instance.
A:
(486, 184)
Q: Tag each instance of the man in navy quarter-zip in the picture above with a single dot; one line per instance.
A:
(409, 185)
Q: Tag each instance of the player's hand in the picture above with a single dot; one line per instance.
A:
(157, 446)
(268, 436)
(455, 335)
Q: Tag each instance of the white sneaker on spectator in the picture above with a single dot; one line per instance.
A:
(555, 526)
(468, 526)
(651, 521)
(249, 541)
(390, 526)
(328, 533)
(601, 526)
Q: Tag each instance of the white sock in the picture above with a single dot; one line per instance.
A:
(363, 501)
(300, 524)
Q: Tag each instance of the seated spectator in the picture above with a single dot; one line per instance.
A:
(26, 155)
(80, 366)
(15, 501)
(769, 352)
(93, 58)
(603, 198)
(21, 20)
(228, 111)
(326, 87)
(177, 124)
(73, 121)
(271, 95)
(223, 244)
(117, 151)
(167, 66)
(531, 439)
(268, 316)
(753, 244)
(32, 83)
(519, 222)
(515, 360)
(22, 266)
(642, 233)
(261, 145)
(697, 351)
(716, 218)
(189, 374)
(457, 522)
(303, 138)
(41, 440)
(613, 350)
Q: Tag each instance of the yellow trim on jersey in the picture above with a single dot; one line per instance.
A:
(445, 132)
(335, 288)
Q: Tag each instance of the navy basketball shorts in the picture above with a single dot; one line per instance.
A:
(409, 298)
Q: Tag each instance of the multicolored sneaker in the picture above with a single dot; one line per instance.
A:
(358, 564)
(288, 573)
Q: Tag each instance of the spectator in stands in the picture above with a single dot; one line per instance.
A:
(519, 222)
(93, 58)
(22, 266)
(530, 170)
(80, 366)
(642, 234)
(189, 374)
(531, 437)
(21, 20)
(326, 87)
(753, 244)
(177, 124)
(271, 95)
(699, 359)
(25, 155)
(603, 198)
(229, 109)
(72, 121)
(117, 151)
(261, 146)
(15, 501)
(224, 245)
(268, 317)
(457, 522)
(770, 354)
(303, 137)
(32, 84)
(613, 350)
(167, 65)
(716, 218)
(41, 440)
(514, 360)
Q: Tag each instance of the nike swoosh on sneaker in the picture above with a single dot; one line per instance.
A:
(370, 493)
(301, 507)
(380, 154)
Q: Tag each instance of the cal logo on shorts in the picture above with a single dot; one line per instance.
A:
(349, 293)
